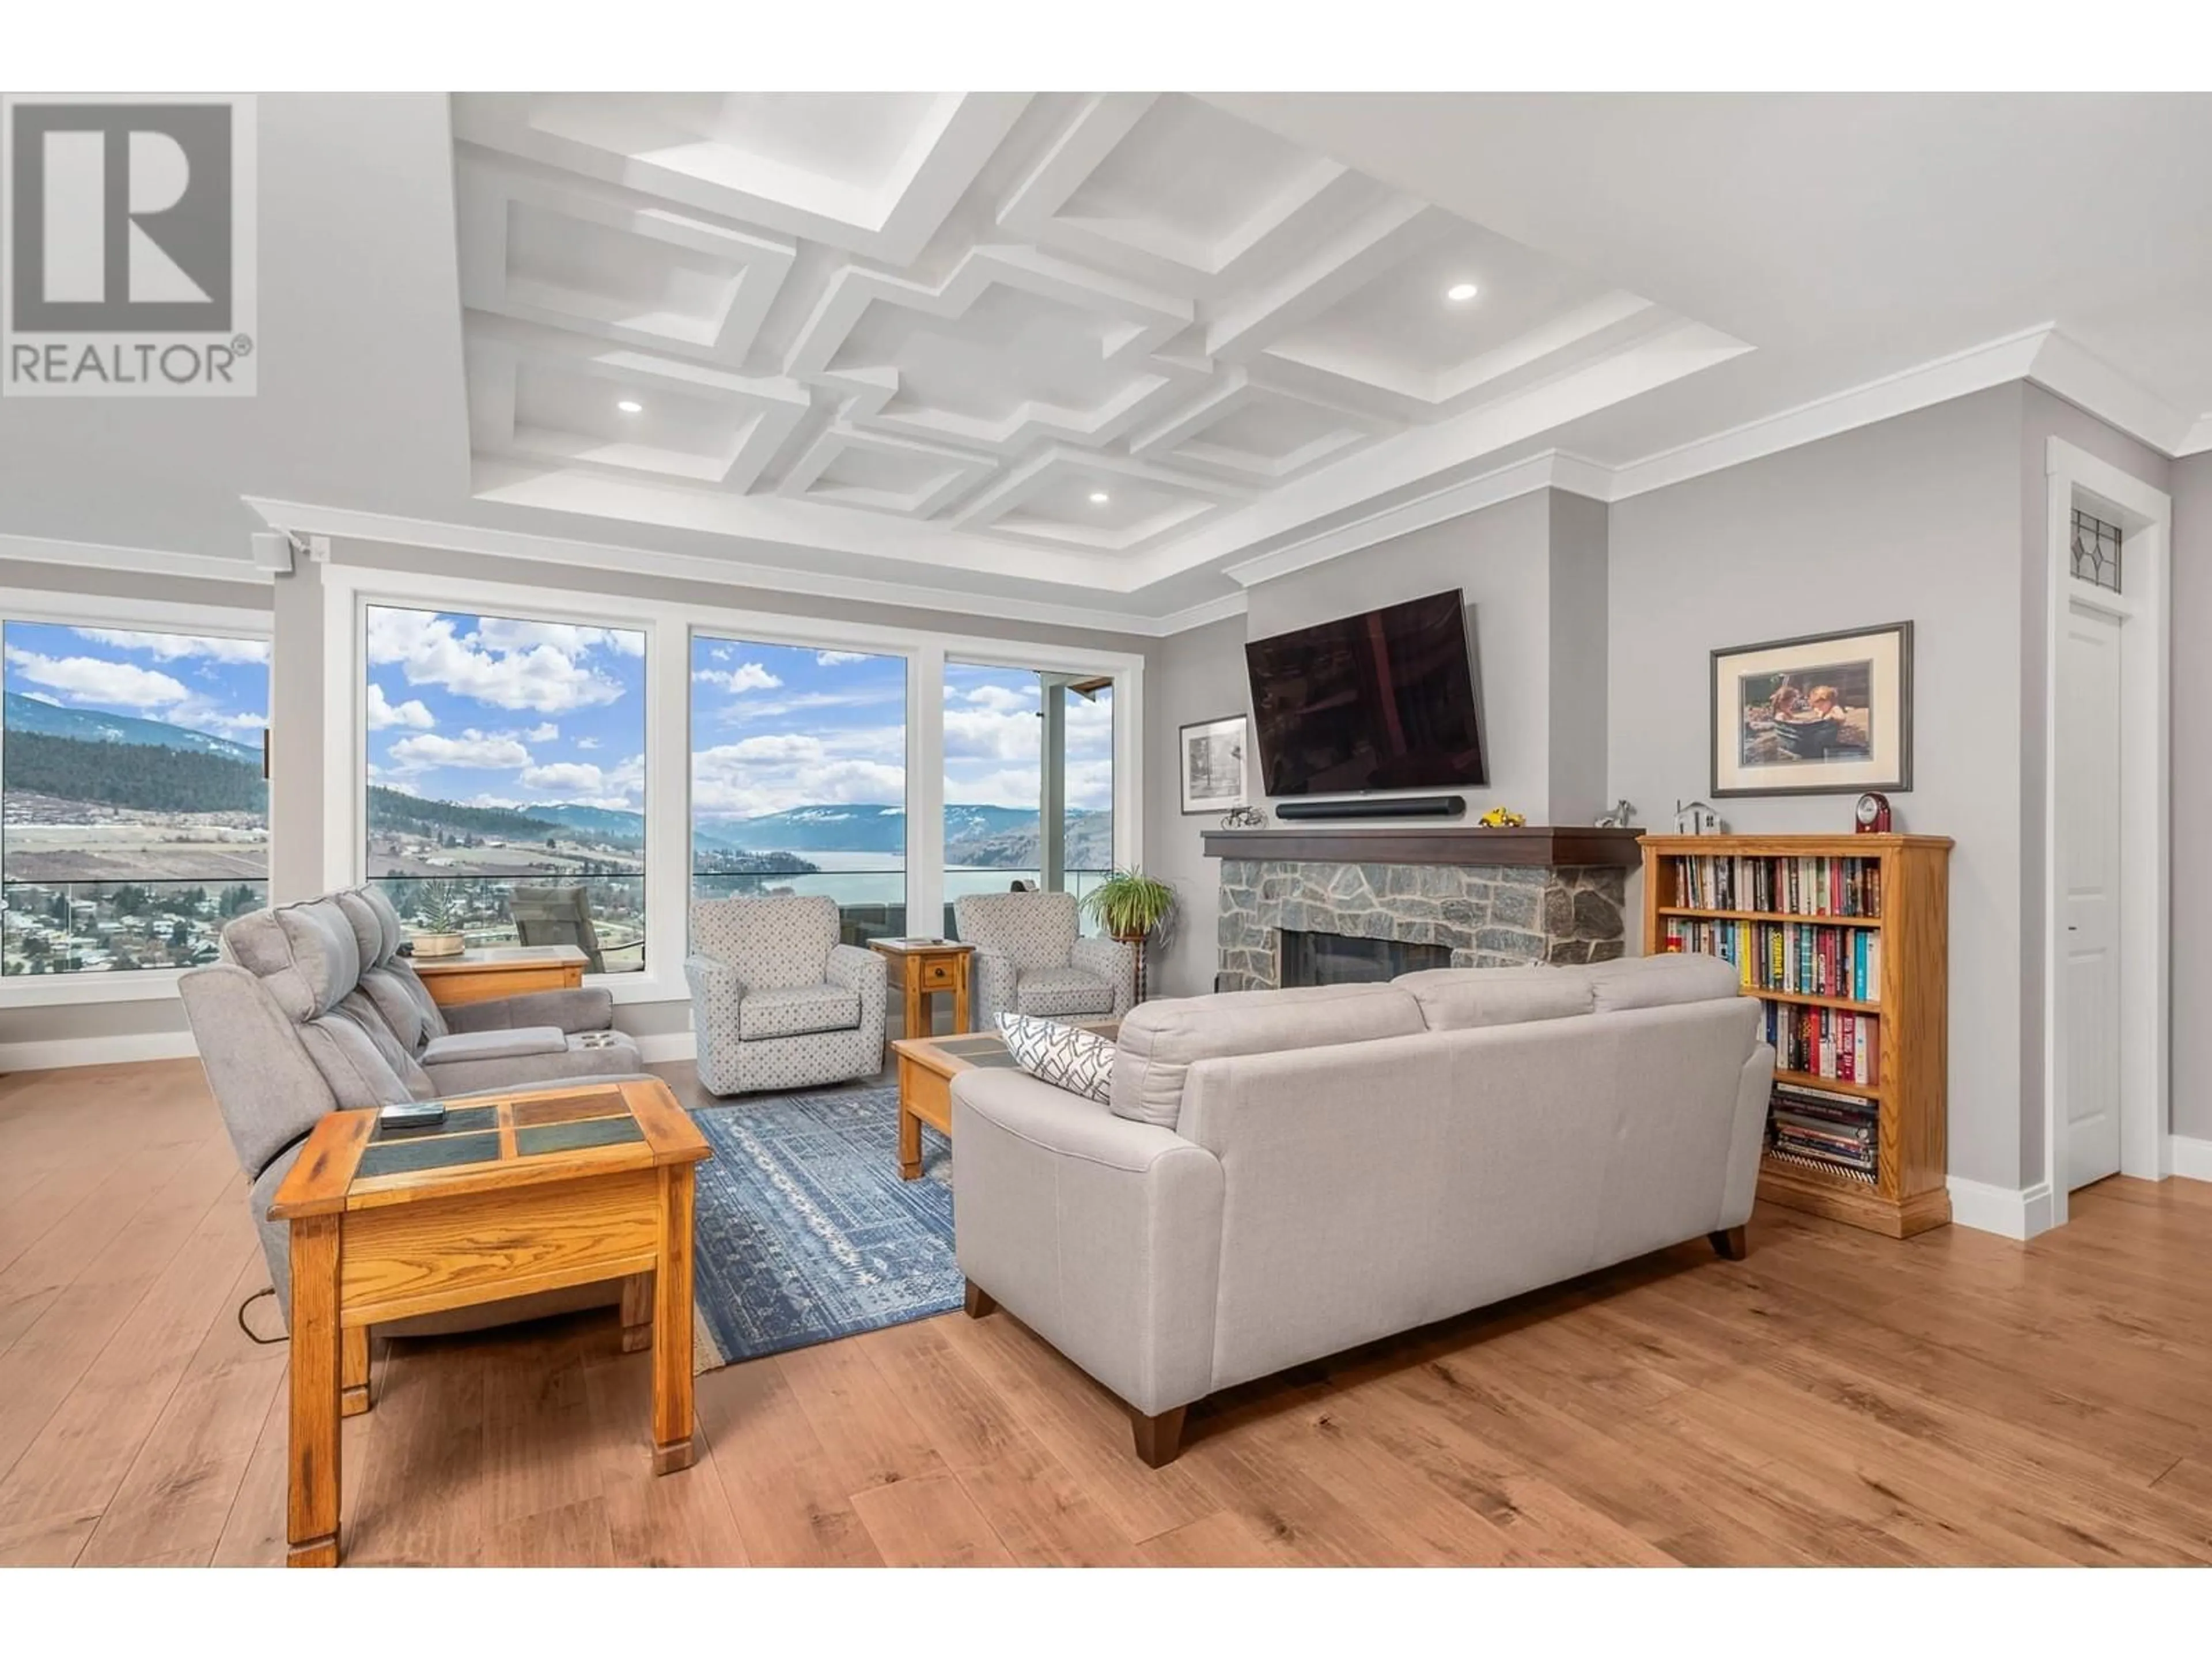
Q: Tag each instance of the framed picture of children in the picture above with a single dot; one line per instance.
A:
(1820, 715)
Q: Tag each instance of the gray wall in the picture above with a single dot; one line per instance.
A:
(1579, 673)
(296, 736)
(2192, 481)
(1194, 675)
(1915, 517)
(111, 1021)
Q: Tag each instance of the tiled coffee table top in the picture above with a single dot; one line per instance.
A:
(502, 1130)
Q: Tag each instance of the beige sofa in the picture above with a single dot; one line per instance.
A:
(1282, 1175)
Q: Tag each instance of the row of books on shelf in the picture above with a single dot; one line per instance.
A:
(1807, 886)
(1789, 955)
(1833, 1131)
(1825, 1043)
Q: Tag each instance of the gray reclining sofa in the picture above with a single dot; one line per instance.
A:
(313, 1010)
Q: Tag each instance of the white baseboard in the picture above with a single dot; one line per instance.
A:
(2000, 1209)
(95, 1051)
(667, 1046)
(2189, 1157)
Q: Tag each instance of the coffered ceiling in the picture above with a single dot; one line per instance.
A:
(1083, 338)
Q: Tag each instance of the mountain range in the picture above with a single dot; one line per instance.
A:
(50, 719)
(974, 834)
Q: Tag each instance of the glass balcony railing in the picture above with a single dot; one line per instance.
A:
(617, 902)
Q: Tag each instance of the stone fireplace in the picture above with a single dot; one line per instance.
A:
(1463, 898)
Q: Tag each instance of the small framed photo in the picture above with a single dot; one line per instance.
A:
(1820, 715)
(1213, 764)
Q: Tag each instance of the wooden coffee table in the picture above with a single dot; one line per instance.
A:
(499, 970)
(926, 1067)
(568, 1184)
(922, 967)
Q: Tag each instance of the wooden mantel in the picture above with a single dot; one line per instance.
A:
(1553, 846)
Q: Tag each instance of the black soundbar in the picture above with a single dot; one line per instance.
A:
(1384, 806)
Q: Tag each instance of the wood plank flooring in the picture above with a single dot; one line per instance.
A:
(1836, 1398)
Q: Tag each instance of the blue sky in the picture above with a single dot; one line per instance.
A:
(500, 713)
(219, 686)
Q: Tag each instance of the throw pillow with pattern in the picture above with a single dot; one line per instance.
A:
(1065, 1056)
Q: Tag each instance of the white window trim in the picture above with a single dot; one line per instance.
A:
(147, 616)
(670, 630)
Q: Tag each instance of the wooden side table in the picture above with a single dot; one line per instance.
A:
(923, 967)
(509, 970)
(568, 1184)
(926, 1067)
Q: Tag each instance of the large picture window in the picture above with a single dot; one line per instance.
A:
(506, 786)
(134, 817)
(1024, 748)
(799, 777)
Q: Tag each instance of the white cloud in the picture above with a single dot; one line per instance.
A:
(999, 698)
(773, 772)
(477, 751)
(1089, 784)
(509, 633)
(982, 734)
(169, 647)
(92, 679)
(545, 731)
(541, 676)
(748, 676)
(382, 713)
(572, 777)
(587, 743)
(831, 659)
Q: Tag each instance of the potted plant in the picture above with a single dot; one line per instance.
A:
(438, 921)
(1129, 905)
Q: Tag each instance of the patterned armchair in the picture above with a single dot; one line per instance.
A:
(1031, 958)
(777, 1002)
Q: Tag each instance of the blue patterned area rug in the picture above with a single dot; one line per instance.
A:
(805, 1232)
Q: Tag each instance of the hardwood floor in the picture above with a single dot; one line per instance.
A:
(1836, 1397)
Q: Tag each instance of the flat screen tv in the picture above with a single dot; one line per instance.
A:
(1384, 699)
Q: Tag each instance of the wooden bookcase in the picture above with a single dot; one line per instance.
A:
(1907, 1195)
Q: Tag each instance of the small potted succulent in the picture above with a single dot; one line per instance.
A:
(438, 917)
(1130, 905)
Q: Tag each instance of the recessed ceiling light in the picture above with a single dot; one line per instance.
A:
(1098, 498)
(630, 406)
(1459, 291)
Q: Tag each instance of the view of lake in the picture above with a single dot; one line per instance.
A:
(880, 878)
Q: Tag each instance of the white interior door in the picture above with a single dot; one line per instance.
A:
(2089, 825)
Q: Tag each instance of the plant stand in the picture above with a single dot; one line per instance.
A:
(1136, 942)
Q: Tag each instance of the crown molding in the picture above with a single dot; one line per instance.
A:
(141, 561)
(1975, 369)
(307, 518)
(1198, 615)
(1544, 471)
(2044, 356)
